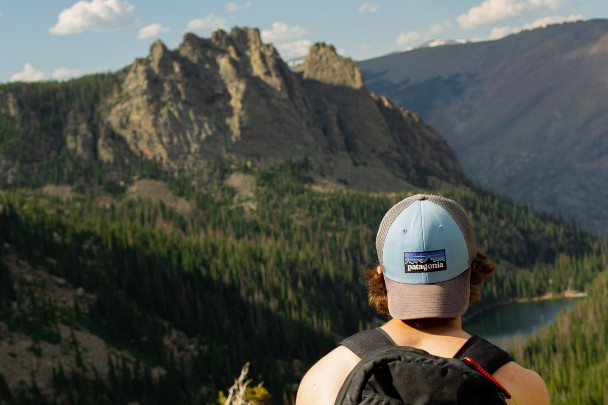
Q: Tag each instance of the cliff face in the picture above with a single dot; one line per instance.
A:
(231, 95)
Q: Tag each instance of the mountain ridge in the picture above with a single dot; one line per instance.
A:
(227, 96)
(524, 113)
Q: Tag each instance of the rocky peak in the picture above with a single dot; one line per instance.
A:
(250, 56)
(233, 95)
(193, 48)
(220, 39)
(245, 39)
(159, 57)
(325, 65)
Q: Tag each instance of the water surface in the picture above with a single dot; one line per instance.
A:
(506, 324)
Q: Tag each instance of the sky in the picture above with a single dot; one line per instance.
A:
(62, 39)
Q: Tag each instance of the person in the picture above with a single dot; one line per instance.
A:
(430, 269)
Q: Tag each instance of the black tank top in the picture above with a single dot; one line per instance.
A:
(486, 354)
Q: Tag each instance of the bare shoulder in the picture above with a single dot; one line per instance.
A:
(526, 386)
(322, 382)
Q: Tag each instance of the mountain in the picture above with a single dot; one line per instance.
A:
(525, 114)
(228, 96)
(166, 224)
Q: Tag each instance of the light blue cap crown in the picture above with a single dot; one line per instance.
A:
(424, 244)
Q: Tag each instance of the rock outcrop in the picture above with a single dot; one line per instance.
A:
(325, 65)
(232, 95)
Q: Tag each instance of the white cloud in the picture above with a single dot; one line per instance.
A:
(556, 19)
(152, 30)
(405, 38)
(94, 16)
(282, 32)
(550, 4)
(501, 32)
(28, 74)
(288, 40)
(64, 73)
(207, 23)
(496, 10)
(439, 28)
(233, 6)
(294, 49)
(490, 11)
(368, 8)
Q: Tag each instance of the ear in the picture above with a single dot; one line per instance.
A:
(379, 269)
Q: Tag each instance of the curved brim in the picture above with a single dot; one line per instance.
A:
(447, 299)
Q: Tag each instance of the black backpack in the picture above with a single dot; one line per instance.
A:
(396, 375)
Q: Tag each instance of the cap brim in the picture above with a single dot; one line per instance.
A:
(447, 299)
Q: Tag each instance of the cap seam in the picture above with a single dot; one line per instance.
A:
(422, 226)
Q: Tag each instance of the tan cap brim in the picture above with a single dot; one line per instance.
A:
(440, 300)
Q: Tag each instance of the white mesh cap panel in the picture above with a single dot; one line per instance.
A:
(388, 220)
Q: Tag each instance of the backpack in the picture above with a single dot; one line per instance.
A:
(397, 375)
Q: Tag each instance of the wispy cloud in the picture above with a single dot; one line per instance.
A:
(94, 16)
(406, 38)
(491, 11)
(152, 30)
(233, 6)
(287, 39)
(28, 74)
(282, 32)
(410, 37)
(294, 49)
(438, 28)
(501, 32)
(556, 19)
(368, 8)
(64, 73)
(208, 23)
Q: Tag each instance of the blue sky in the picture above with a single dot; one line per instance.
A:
(59, 39)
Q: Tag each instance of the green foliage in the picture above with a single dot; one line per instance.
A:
(257, 395)
(7, 291)
(276, 285)
(241, 393)
(34, 133)
(5, 392)
(572, 354)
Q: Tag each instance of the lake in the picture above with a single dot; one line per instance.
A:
(505, 324)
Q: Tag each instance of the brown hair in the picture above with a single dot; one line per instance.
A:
(481, 267)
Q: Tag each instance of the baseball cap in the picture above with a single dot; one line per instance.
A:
(425, 245)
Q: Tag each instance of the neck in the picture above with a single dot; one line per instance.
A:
(441, 337)
(434, 326)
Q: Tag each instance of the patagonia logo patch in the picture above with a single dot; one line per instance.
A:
(423, 262)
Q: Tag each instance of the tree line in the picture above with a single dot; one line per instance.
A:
(277, 285)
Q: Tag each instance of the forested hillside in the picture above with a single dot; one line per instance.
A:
(572, 354)
(270, 276)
